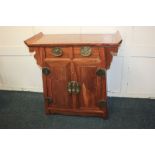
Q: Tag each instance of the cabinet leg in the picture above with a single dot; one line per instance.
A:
(47, 111)
(106, 116)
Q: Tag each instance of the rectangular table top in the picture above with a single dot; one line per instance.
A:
(74, 39)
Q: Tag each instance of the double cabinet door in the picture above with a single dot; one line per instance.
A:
(74, 80)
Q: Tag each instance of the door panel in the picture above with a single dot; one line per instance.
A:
(57, 82)
(92, 86)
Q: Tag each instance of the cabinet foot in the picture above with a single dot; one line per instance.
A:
(47, 111)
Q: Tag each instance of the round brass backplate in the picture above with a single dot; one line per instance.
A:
(46, 71)
(86, 51)
(102, 104)
(101, 72)
(57, 51)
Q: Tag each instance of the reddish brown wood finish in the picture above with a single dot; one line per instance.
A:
(74, 39)
(72, 66)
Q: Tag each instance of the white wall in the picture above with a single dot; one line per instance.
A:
(132, 73)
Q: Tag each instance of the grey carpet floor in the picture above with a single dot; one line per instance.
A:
(25, 110)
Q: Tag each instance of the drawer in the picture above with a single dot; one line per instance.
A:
(86, 52)
(58, 52)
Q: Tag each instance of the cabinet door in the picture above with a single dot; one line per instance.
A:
(57, 81)
(93, 87)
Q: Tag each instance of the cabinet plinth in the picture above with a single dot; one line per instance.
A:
(74, 71)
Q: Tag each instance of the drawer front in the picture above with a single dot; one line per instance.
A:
(86, 52)
(58, 52)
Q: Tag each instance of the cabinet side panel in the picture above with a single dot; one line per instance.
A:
(103, 59)
(43, 55)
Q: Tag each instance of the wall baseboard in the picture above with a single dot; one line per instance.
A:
(17, 88)
(132, 95)
(40, 90)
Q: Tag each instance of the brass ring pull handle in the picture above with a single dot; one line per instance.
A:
(57, 51)
(86, 51)
(73, 87)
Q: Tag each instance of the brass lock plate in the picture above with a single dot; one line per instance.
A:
(57, 51)
(86, 51)
(73, 87)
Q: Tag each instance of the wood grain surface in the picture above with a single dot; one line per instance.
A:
(71, 65)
